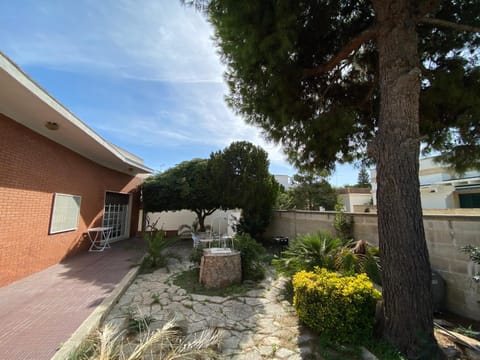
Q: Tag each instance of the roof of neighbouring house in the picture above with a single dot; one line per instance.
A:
(27, 103)
(350, 190)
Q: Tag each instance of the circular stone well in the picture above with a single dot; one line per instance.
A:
(220, 267)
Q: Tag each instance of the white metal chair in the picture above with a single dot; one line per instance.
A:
(196, 240)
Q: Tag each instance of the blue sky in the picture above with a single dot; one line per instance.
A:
(143, 74)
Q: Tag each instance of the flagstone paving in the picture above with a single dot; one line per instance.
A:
(259, 324)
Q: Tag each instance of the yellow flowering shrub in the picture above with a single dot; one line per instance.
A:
(341, 308)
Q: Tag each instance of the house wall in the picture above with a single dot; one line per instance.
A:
(445, 235)
(437, 197)
(440, 186)
(350, 200)
(32, 169)
(284, 180)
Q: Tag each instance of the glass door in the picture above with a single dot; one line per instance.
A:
(116, 215)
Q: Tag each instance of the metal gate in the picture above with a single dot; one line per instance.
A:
(115, 215)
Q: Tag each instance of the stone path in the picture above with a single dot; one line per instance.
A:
(257, 325)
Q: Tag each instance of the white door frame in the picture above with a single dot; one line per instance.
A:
(128, 215)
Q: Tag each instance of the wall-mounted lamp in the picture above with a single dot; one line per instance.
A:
(50, 125)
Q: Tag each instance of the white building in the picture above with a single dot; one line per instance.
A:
(355, 199)
(443, 188)
(284, 180)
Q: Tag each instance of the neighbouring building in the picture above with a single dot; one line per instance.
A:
(443, 188)
(58, 178)
(355, 199)
(284, 180)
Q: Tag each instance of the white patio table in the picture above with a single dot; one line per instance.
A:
(99, 238)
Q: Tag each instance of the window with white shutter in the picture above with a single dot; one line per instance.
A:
(65, 213)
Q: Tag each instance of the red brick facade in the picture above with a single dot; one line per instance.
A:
(32, 169)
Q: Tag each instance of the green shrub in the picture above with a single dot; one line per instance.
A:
(473, 253)
(343, 223)
(156, 244)
(196, 255)
(350, 262)
(340, 308)
(323, 250)
(308, 251)
(252, 254)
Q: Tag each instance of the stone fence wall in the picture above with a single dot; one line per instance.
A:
(445, 235)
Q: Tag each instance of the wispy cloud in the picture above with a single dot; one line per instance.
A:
(162, 55)
(148, 40)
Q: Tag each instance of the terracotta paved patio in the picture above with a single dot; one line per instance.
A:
(40, 312)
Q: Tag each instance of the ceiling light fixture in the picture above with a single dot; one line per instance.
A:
(50, 125)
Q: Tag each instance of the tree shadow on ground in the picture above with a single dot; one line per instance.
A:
(102, 270)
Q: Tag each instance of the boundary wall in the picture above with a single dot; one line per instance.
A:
(445, 235)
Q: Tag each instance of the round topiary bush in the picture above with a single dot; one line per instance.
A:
(341, 308)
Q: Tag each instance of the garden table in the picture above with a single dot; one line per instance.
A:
(99, 238)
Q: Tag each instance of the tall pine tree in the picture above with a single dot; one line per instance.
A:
(363, 180)
(336, 80)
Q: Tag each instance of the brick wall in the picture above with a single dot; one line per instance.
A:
(32, 169)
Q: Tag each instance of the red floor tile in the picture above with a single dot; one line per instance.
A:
(40, 312)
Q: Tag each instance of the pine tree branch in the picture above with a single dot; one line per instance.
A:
(344, 52)
(427, 6)
(448, 24)
(199, 5)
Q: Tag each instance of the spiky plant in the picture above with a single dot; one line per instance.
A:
(323, 250)
(348, 261)
(109, 339)
(166, 343)
(307, 251)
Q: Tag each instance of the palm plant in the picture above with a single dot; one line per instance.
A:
(308, 251)
(359, 257)
(323, 250)
(156, 245)
(156, 242)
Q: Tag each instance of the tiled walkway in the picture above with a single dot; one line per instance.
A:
(40, 312)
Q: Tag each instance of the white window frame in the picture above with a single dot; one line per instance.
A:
(57, 212)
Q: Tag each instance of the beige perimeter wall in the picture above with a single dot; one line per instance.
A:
(445, 235)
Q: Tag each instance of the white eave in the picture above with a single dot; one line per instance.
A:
(24, 101)
(462, 182)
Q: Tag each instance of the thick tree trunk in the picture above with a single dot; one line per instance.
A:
(403, 250)
(201, 220)
(201, 215)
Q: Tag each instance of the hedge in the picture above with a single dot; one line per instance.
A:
(341, 308)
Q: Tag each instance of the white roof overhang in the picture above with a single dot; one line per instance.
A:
(457, 184)
(24, 101)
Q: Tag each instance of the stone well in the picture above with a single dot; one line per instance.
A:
(220, 267)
